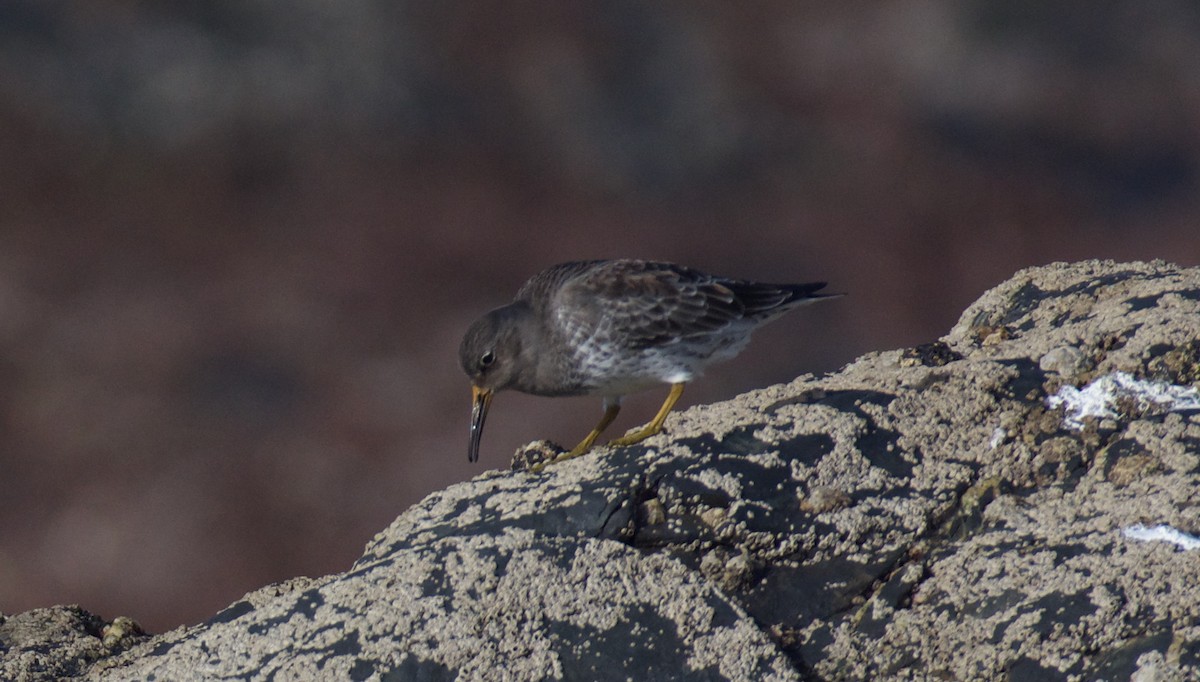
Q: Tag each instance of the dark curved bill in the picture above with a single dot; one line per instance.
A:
(480, 399)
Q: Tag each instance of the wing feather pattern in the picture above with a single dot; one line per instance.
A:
(642, 304)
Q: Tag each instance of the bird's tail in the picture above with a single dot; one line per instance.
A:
(769, 300)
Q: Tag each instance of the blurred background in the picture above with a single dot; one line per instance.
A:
(240, 241)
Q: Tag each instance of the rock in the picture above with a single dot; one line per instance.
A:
(916, 515)
(59, 643)
(1065, 360)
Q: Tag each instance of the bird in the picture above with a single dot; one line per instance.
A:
(613, 327)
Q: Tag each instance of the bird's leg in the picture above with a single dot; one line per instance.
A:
(611, 407)
(655, 424)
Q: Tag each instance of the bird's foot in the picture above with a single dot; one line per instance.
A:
(653, 428)
(564, 456)
(637, 436)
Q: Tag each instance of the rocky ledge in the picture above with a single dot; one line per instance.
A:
(1013, 501)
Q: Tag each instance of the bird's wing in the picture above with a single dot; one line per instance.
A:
(765, 301)
(643, 304)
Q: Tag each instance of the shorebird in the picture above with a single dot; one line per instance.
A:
(614, 327)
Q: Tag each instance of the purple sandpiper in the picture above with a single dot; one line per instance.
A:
(612, 327)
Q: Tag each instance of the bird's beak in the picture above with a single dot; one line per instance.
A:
(480, 399)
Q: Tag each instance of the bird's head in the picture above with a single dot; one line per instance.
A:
(490, 354)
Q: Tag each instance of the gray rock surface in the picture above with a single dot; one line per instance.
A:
(919, 514)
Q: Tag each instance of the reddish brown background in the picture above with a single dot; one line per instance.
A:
(239, 242)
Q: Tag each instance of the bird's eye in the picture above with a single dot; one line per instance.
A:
(487, 359)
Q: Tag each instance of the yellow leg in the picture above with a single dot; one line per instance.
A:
(610, 413)
(655, 424)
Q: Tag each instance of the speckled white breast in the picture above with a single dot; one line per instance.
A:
(607, 369)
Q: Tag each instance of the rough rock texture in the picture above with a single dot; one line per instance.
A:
(919, 514)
